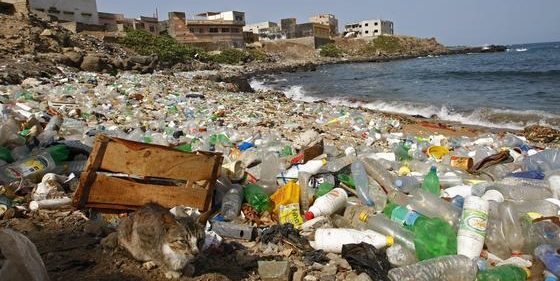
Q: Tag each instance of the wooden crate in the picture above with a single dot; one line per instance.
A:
(150, 168)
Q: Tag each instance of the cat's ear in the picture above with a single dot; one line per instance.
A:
(168, 220)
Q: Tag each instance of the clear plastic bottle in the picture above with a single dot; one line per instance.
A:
(231, 202)
(496, 240)
(305, 194)
(379, 174)
(456, 268)
(521, 192)
(337, 164)
(270, 168)
(429, 205)
(30, 167)
(511, 225)
(369, 191)
(50, 131)
(383, 225)
(400, 256)
(407, 184)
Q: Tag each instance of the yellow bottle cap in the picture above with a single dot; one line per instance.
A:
(534, 215)
(528, 272)
(403, 171)
(390, 241)
(363, 216)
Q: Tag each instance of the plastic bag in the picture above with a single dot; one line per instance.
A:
(546, 160)
(23, 262)
(366, 258)
(285, 195)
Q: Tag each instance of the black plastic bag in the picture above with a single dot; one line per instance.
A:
(366, 258)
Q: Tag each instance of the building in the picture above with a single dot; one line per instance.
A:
(288, 26)
(327, 19)
(110, 18)
(369, 28)
(80, 11)
(265, 30)
(210, 30)
(13, 6)
(312, 29)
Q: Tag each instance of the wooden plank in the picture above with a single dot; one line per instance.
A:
(88, 176)
(157, 161)
(114, 191)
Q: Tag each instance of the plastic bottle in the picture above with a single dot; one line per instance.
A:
(339, 163)
(407, 184)
(34, 166)
(50, 203)
(401, 152)
(256, 197)
(234, 230)
(503, 273)
(432, 237)
(400, 256)
(431, 182)
(231, 202)
(332, 239)
(521, 191)
(312, 167)
(472, 230)
(305, 194)
(328, 204)
(270, 168)
(548, 255)
(50, 131)
(511, 226)
(385, 226)
(379, 174)
(429, 205)
(554, 183)
(446, 268)
(361, 182)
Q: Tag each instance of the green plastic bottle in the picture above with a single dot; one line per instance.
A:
(6, 155)
(256, 197)
(401, 152)
(323, 189)
(503, 273)
(431, 182)
(347, 180)
(34, 166)
(433, 237)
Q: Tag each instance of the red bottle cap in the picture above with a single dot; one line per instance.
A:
(309, 215)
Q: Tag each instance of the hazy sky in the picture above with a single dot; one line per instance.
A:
(452, 22)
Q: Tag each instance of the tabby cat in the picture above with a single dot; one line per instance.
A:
(153, 235)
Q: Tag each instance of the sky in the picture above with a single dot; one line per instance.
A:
(452, 22)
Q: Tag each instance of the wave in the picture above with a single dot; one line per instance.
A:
(484, 117)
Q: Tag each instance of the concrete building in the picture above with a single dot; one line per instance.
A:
(369, 28)
(288, 26)
(313, 29)
(210, 30)
(80, 11)
(327, 19)
(265, 30)
(110, 18)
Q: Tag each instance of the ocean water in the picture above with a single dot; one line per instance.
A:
(512, 89)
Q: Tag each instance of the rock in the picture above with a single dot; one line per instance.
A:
(75, 57)
(47, 32)
(317, 266)
(30, 82)
(343, 263)
(350, 276)
(299, 275)
(333, 256)
(310, 278)
(92, 63)
(341, 276)
(274, 270)
(362, 277)
(329, 269)
(144, 60)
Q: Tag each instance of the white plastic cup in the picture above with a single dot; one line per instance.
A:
(472, 230)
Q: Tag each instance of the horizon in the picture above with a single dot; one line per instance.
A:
(477, 22)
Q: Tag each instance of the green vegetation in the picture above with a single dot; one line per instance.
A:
(331, 50)
(387, 44)
(170, 51)
(165, 47)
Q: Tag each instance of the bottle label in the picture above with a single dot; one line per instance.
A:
(404, 216)
(474, 221)
(27, 168)
(290, 214)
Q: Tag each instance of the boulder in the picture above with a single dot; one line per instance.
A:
(74, 57)
(92, 63)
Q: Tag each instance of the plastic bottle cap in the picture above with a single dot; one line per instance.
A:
(309, 215)
(404, 170)
(390, 241)
(528, 272)
(363, 216)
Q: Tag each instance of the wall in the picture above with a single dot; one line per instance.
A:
(370, 28)
(20, 6)
(84, 11)
(309, 41)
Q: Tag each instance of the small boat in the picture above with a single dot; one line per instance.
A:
(521, 50)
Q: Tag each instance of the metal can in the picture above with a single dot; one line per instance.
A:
(464, 163)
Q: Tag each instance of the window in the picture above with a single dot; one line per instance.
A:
(214, 30)
(86, 14)
(201, 30)
(376, 23)
(68, 12)
(367, 24)
(225, 30)
(235, 30)
(360, 25)
(376, 31)
(239, 18)
(191, 30)
(152, 28)
(367, 31)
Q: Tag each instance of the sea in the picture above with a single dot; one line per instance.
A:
(511, 89)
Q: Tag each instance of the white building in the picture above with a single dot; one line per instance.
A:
(369, 28)
(225, 16)
(83, 11)
(266, 30)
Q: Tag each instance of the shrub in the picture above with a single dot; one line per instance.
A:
(388, 44)
(330, 50)
(258, 56)
(231, 56)
(165, 47)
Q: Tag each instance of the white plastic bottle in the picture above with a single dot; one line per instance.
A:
(472, 230)
(332, 239)
(328, 204)
(312, 167)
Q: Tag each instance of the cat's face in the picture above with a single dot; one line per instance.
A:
(182, 243)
